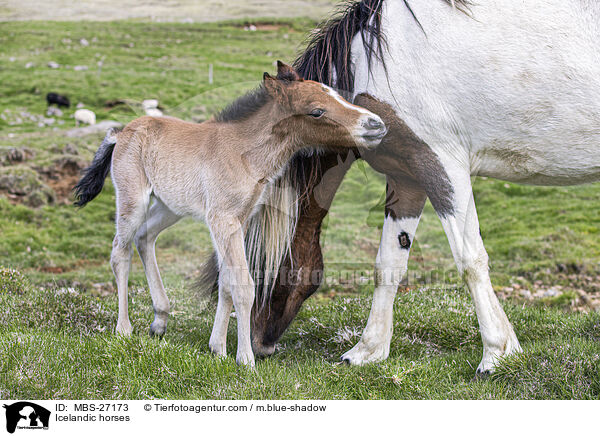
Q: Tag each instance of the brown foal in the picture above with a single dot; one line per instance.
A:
(216, 171)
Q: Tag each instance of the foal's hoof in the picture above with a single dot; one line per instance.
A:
(157, 329)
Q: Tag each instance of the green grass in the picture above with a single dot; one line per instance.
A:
(57, 342)
(433, 356)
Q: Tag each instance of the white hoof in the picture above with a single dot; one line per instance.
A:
(218, 347)
(493, 355)
(245, 359)
(363, 353)
(124, 328)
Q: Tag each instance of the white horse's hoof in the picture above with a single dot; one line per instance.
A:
(158, 328)
(124, 328)
(245, 359)
(362, 354)
(492, 356)
(218, 348)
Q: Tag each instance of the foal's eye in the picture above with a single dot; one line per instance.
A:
(317, 113)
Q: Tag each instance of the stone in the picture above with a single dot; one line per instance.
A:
(22, 184)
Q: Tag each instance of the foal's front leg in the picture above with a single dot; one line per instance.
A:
(218, 337)
(234, 276)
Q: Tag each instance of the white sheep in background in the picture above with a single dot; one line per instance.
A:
(153, 112)
(85, 116)
(150, 104)
(151, 108)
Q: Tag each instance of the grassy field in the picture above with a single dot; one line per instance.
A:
(155, 10)
(58, 312)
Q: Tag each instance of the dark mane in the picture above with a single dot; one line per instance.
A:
(327, 56)
(327, 59)
(245, 106)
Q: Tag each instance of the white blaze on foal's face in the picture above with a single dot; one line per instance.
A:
(369, 128)
(319, 117)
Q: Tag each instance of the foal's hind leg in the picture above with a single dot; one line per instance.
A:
(132, 204)
(405, 201)
(158, 219)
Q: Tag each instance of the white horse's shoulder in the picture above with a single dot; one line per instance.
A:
(517, 78)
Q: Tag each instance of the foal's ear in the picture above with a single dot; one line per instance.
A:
(270, 84)
(285, 72)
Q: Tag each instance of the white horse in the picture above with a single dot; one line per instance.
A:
(508, 89)
(510, 92)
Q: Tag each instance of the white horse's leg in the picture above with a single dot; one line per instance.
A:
(159, 218)
(462, 228)
(234, 275)
(400, 225)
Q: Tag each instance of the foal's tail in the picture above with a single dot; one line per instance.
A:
(92, 181)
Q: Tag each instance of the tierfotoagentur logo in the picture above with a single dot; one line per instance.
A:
(26, 415)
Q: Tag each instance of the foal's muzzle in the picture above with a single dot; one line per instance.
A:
(372, 131)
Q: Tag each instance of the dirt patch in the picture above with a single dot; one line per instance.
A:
(62, 176)
(22, 185)
(15, 155)
(35, 186)
(573, 287)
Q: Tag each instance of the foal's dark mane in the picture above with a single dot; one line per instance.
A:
(245, 106)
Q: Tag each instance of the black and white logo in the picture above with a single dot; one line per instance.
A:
(26, 415)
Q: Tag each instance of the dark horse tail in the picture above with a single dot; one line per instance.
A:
(92, 181)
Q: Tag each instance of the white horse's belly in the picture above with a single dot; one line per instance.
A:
(513, 93)
(541, 165)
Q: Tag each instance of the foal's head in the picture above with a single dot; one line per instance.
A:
(314, 115)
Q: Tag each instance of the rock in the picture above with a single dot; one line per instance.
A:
(526, 294)
(12, 155)
(80, 105)
(84, 42)
(101, 127)
(70, 149)
(551, 293)
(54, 111)
(53, 64)
(80, 67)
(103, 289)
(22, 184)
(29, 65)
